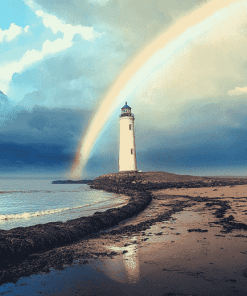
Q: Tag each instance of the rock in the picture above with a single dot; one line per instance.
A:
(197, 230)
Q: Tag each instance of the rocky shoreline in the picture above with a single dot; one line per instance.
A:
(19, 243)
(119, 182)
(28, 250)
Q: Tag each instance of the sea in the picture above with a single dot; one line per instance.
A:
(31, 201)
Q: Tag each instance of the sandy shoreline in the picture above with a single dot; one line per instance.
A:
(188, 241)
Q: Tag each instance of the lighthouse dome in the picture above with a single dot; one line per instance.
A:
(126, 106)
(126, 111)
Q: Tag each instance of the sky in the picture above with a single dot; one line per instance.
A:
(59, 59)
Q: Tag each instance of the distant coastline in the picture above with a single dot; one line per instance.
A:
(72, 182)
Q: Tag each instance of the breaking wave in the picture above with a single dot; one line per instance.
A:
(50, 212)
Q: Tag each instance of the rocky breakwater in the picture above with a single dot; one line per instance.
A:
(124, 183)
(19, 243)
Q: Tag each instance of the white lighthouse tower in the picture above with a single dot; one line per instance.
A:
(127, 149)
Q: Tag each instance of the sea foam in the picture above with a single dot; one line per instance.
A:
(48, 212)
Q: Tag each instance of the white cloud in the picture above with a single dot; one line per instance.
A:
(12, 32)
(55, 46)
(7, 70)
(26, 29)
(56, 25)
(29, 3)
(51, 21)
(237, 91)
(99, 2)
(49, 47)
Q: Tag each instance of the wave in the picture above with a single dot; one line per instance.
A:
(21, 191)
(38, 191)
(48, 212)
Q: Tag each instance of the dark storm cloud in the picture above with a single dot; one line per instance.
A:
(33, 98)
(187, 160)
(45, 125)
(20, 156)
(201, 149)
(6, 109)
(41, 137)
(102, 164)
(207, 135)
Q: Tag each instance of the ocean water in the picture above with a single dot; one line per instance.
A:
(30, 202)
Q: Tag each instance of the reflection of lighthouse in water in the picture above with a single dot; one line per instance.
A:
(127, 149)
(131, 264)
(126, 268)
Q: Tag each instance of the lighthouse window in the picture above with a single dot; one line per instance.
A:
(130, 127)
(132, 151)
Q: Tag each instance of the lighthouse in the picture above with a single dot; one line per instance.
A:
(127, 149)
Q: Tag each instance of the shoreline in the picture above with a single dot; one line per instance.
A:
(57, 257)
(19, 243)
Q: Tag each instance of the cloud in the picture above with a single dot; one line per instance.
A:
(40, 138)
(99, 2)
(32, 99)
(207, 135)
(69, 31)
(6, 110)
(75, 77)
(45, 126)
(203, 69)
(48, 47)
(26, 29)
(55, 46)
(51, 21)
(127, 26)
(97, 65)
(11, 33)
(183, 118)
(124, 27)
(118, 13)
(237, 91)
(7, 70)
(134, 22)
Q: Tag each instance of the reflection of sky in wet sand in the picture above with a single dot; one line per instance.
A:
(114, 269)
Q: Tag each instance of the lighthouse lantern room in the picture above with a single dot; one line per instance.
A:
(127, 149)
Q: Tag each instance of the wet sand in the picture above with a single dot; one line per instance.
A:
(188, 241)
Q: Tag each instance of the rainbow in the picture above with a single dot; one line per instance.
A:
(138, 69)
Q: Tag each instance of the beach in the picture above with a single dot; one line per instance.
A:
(187, 241)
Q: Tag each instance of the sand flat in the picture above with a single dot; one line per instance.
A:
(235, 191)
(188, 241)
(167, 258)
